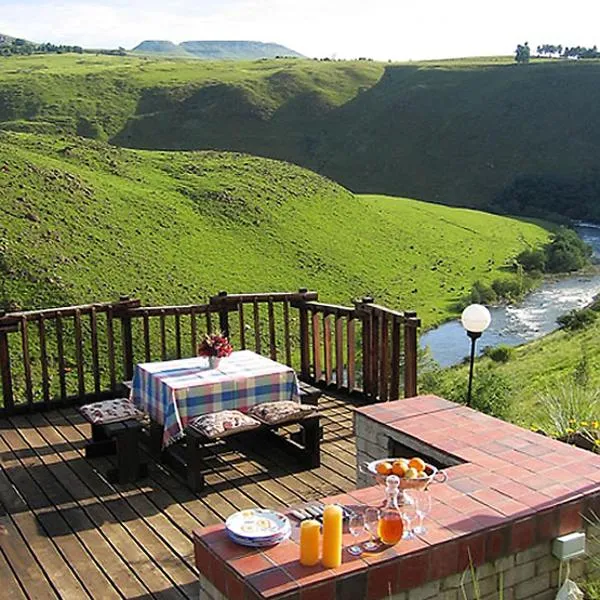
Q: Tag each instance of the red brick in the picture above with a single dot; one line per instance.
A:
(319, 592)
(443, 560)
(382, 581)
(249, 565)
(471, 550)
(218, 575)
(273, 582)
(496, 544)
(570, 517)
(547, 525)
(234, 585)
(308, 576)
(522, 535)
(414, 570)
(283, 553)
(204, 558)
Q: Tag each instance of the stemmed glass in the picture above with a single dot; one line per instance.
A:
(422, 500)
(371, 520)
(356, 525)
(409, 514)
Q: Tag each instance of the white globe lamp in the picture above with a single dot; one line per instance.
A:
(476, 318)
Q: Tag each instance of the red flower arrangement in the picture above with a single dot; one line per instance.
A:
(215, 344)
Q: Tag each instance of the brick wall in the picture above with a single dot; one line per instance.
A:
(529, 575)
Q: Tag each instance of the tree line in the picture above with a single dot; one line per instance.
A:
(20, 46)
(523, 52)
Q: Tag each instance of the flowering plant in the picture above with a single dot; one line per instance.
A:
(215, 344)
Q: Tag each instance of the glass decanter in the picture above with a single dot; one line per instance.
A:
(391, 525)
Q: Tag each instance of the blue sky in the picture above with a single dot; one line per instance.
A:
(380, 29)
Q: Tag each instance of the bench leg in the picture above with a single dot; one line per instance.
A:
(101, 444)
(195, 478)
(312, 442)
(128, 468)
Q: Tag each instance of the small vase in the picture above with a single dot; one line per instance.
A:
(213, 362)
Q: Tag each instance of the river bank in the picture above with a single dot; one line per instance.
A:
(529, 320)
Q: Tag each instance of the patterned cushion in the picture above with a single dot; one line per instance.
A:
(223, 423)
(110, 411)
(275, 413)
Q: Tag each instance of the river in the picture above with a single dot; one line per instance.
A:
(514, 325)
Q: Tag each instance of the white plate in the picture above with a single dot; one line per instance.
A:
(257, 524)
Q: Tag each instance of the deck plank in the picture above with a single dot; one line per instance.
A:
(102, 513)
(76, 534)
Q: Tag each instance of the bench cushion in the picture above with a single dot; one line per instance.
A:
(110, 411)
(223, 423)
(276, 413)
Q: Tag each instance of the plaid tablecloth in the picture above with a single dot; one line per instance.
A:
(177, 391)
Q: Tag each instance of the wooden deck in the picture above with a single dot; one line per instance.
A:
(71, 534)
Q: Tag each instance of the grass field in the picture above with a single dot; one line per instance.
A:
(82, 221)
(453, 132)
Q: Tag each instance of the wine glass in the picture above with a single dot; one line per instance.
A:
(423, 503)
(356, 525)
(409, 514)
(371, 520)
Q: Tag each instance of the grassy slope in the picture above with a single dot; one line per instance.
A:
(83, 221)
(452, 131)
(536, 366)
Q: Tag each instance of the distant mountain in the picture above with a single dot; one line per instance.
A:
(6, 40)
(163, 47)
(215, 50)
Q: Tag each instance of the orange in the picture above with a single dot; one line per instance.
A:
(384, 468)
(417, 463)
(399, 467)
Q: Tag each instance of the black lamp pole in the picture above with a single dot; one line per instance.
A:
(474, 335)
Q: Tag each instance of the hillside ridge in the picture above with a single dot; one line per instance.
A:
(84, 221)
(216, 49)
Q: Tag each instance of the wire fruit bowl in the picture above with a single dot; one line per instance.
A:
(429, 475)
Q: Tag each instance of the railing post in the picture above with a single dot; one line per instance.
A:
(411, 323)
(366, 319)
(121, 311)
(7, 325)
(224, 316)
(304, 339)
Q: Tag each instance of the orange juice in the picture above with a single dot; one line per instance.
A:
(390, 528)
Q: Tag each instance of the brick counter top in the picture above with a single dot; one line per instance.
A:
(513, 489)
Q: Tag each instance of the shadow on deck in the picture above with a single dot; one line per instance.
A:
(71, 534)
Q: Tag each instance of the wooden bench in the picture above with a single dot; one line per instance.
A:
(308, 452)
(116, 433)
(309, 394)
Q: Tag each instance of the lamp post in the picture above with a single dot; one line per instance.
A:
(475, 319)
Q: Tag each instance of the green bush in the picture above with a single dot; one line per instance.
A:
(533, 260)
(501, 353)
(575, 320)
(507, 289)
(482, 293)
(567, 403)
(567, 252)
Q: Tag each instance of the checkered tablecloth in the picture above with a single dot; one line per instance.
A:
(177, 391)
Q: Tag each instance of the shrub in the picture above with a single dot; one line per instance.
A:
(566, 405)
(577, 319)
(567, 252)
(507, 289)
(501, 353)
(482, 293)
(532, 260)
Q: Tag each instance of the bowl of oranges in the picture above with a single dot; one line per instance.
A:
(414, 473)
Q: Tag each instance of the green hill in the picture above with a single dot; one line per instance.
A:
(456, 132)
(82, 221)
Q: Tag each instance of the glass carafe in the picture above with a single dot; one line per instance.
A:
(391, 525)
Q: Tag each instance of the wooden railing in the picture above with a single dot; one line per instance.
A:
(72, 354)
